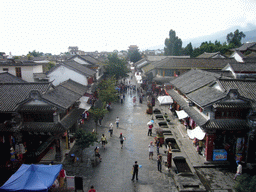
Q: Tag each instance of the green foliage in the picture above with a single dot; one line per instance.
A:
(84, 139)
(235, 38)
(116, 67)
(98, 113)
(35, 54)
(173, 44)
(135, 56)
(107, 92)
(16, 57)
(188, 50)
(245, 183)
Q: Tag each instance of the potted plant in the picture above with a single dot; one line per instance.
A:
(160, 135)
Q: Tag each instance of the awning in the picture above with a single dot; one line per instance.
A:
(165, 100)
(196, 133)
(83, 103)
(182, 114)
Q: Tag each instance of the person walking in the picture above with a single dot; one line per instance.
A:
(92, 189)
(134, 100)
(97, 153)
(62, 176)
(151, 150)
(117, 122)
(239, 170)
(121, 98)
(103, 140)
(157, 145)
(111, 129)
(135, 171)
(122, 138)
(159, 163)
(150, 127)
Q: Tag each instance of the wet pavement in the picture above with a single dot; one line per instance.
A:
(114, 172)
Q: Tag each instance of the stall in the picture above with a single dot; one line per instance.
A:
(32, 178)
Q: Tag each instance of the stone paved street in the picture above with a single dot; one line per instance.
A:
(114, 172)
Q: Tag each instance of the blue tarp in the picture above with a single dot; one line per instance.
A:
(32, 178)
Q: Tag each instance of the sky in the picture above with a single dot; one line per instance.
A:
(51, 26)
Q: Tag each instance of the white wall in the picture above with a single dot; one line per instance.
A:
(237, 57)
(62, 74)
(26, 71)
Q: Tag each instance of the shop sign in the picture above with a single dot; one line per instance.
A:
(219, 155)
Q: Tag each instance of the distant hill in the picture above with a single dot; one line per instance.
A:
(249, 31)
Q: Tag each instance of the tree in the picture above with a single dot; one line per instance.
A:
(135, 56)
(235, 38)
(173, 44)
(116, 67)
(188, 50)
(35, 54)
(98, 113)
(107, 92)
(48, 66)
(245, 183)
(84, 140)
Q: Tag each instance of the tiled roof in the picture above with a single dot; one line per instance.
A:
(243, 67)
(69, 120)
(6, 77)
(246, 88)
(252, 54)
(232, 105)
(191, 111)
(210, 55)
(87, 58)
(74, 86)
(39, 76)
(206, 96)
(13, 93)
(245, 46)
(79, 68)
(226, 124)
(61, 97)
(193, 80)
(31, 108)
(19, 63)
(42, 127)
(189, 63)
(250, 59)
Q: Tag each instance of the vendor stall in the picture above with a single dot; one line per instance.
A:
(32, 178)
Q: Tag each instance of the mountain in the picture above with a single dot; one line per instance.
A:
(249, 30)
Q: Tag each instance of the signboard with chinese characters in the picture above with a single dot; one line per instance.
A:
(219, 155)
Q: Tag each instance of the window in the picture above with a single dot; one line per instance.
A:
(5, 69)
(18, 71)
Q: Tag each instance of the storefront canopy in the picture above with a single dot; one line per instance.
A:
(196, 133)
(165, 100)
(182, 114)
(83, 103)
(32, 178)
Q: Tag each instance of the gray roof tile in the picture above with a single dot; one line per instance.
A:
(74, 86)
(190, 63)
(61, 96)
(12, 94)
(6, 77)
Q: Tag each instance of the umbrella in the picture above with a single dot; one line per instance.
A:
(150, 123)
